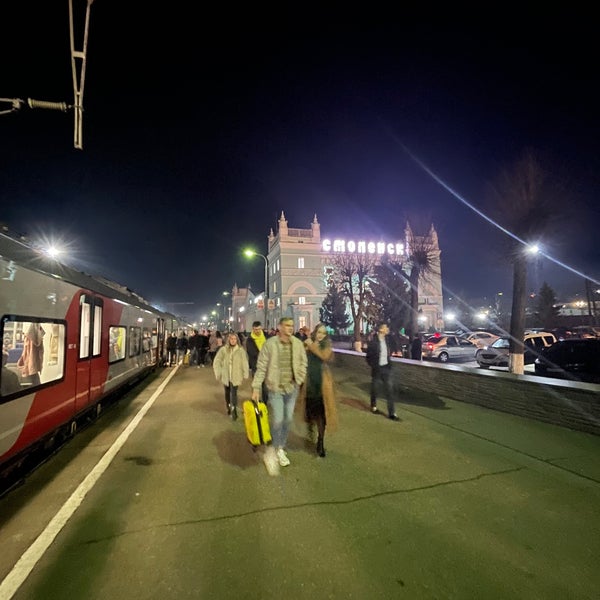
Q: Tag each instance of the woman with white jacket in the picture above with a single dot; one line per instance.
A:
(230, 366)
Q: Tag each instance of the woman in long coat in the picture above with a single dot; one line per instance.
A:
(230, 366)
(318, 395)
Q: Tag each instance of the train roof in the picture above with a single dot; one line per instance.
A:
(21, 253)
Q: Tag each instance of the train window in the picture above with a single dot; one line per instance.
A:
(33, 353)
(117, 338)
(97, 337)
(85, 326)
(135, 338)
(146, 340)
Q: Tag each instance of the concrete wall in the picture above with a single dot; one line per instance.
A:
(568, 404)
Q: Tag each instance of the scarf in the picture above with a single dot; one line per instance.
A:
(259, 339)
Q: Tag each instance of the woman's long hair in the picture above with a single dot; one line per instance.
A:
(313, 336)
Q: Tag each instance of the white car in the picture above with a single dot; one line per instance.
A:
(481, 338)
(497, 355)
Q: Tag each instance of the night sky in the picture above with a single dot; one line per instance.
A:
(199, 130)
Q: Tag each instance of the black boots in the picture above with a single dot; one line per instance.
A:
(320, 447)
(232, 410)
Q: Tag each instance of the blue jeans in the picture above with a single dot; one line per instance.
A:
(281, 415)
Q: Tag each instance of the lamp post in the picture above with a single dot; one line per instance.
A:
(228, 308)
(250, 254)
(222, 306)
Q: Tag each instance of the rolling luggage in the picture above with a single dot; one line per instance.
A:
(256, 420)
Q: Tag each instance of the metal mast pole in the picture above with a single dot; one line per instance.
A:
(78, 82)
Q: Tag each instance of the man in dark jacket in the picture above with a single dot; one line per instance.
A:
(194, 347)
(181, 346)
(302, 333)
(171, 349)
(203, 346)
(416, 348)
(378, 358)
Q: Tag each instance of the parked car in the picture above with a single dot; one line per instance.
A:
(586, 332)
(575, 359)
(480, 338)
(562, 333)
(448, 347)
(496, 355)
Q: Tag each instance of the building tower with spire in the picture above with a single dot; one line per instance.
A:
(297, 262)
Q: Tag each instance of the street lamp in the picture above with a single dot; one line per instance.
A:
(225, 294)
(223, 307)
(250, 253)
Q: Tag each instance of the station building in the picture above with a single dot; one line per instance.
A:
(297, 264)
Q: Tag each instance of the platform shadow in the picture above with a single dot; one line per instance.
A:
(402, 395)
(233, 448)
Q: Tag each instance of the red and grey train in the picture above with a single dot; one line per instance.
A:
(70, 341)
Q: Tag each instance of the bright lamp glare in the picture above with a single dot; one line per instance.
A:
(53, 251)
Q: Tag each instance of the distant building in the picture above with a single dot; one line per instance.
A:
(298, 261)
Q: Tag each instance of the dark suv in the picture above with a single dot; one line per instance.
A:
(574, 359)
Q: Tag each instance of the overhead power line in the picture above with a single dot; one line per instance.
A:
(78, 65)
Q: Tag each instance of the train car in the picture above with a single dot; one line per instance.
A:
(70, 341)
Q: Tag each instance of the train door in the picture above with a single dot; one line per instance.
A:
(160, 341)
(98, 362)
(89, 349)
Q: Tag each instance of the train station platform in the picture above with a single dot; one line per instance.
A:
(164, 498)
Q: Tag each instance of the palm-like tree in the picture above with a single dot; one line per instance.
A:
(422, 262)
(523, 201)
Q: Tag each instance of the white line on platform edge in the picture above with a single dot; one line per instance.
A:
(19, 573)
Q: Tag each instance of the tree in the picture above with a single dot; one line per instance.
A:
(523, 202)
(391, 296)
(422, 254)
(333, 309)
(546, 310)
(352, 274)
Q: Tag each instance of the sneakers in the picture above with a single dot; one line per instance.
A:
(394, 417)
(234, 413)
(271, 462)
(284, 461)
(374, 410)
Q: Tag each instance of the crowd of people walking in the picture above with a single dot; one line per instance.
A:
(289, 373)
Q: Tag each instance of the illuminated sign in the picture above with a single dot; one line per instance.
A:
(363, 247)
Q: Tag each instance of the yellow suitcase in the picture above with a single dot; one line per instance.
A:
(256, 420)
